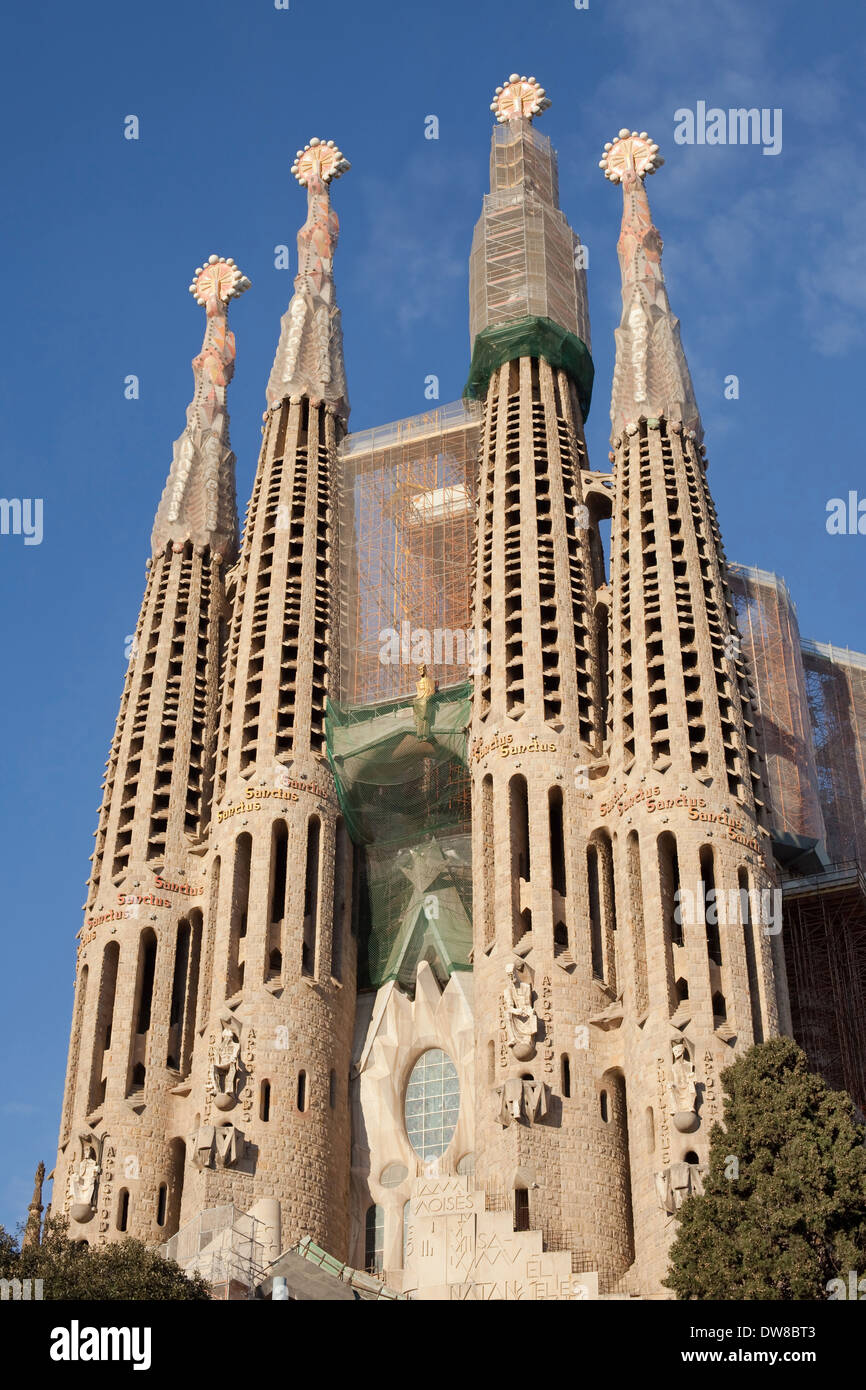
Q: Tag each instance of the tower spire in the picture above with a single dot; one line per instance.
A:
(198, 502)
(526, 262)
(32, 1230)
(309, 357)
(651, 375)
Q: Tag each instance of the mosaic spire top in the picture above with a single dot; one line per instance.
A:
(309, 357)
(198, 503)
(519, 98)
(651, 375)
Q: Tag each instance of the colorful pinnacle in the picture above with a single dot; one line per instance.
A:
(218, 279)
(520, 97)
(630, 150)
(321, 156)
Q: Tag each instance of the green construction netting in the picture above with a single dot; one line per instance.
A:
(530, 337)
(416, 904)
(403, 785)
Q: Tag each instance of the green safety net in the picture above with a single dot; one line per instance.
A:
(530, 337)
(403, 785)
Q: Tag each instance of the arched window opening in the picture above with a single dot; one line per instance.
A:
(332, 1090)
(566, 1075)
(752, 955)
(635, 889)
(691, 1157)
(342, 897)
(302, 1090)
(521, 1209)
(520, 862)
(277, 904)
(161, 1204)
(669, 880)
(603, 1106)
(711, 906)
(235, 969)
(147, 970)
(374, 1240)
(595, 928)
(557, 841)
(123, 1209)
(279, 861)
(178, 994)
(650, 1129)
(104, 1019)
(265, 1101)
(311, 897)
(720, 1009)
(671, 913)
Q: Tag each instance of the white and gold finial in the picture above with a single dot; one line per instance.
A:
(321, 156)
(631, 149)
(519, 97)
(220, 279)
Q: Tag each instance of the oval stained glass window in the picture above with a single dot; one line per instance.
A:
(432, 1103)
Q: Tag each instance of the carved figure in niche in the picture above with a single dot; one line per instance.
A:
(521, 1020)
(226, 1063)
(84, 1177)
(683, 1089)
(676, 1183)
(425, 688)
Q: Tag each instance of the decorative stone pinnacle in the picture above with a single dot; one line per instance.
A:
(219, 279)
(321, 157)
(630, 150)
(198, 502)
(309, 356)
(519, 97)
(651, 375)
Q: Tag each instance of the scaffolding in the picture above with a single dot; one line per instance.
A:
(226, 1246)
(836, 692)
(825, 959)
(525, 259)
(406, 532)
(767, 620)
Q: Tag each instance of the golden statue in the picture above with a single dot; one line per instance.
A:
(425, 688)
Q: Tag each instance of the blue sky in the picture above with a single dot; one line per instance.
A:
(763, 260)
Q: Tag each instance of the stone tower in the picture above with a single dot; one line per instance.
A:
(271, 1074)
(140, 949)
(538, 721)
(683, 805)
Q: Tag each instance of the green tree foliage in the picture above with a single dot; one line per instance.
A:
(125, 1269)
(794, 1217)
